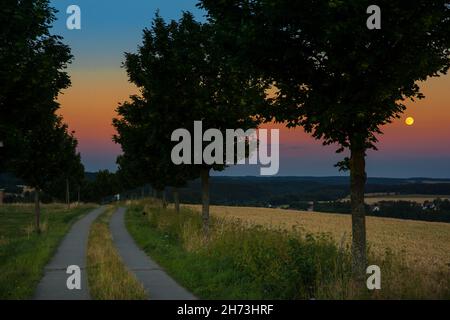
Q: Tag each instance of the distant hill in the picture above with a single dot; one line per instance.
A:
(9, 182)
(261, 191)
(90, 176)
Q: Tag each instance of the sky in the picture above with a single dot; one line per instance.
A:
(111, 27)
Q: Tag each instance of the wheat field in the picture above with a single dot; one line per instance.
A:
(423, 245)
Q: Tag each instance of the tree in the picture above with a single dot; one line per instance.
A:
(32, 63)
(146, 157)
(53, 151)
(337, 79)
(185, 77)
(105, 184)
(66, 185)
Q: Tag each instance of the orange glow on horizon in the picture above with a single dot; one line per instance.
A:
(89, 107)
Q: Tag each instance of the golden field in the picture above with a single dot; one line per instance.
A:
(423, 245)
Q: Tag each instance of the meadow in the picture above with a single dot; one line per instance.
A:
(422, 245)
(256, 253)
(23, 253)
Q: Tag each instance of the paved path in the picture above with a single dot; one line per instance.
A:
(72, 251)
(157, 283)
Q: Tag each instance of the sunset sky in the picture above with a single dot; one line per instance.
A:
(112, 27)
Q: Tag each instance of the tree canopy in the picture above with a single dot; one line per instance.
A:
(333, 76)
(184, 77)
(32, 63)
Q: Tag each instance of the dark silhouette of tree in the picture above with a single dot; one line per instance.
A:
(32, 63)
(105, 184)
(184, 77)
(54, 157)
(337, 79)
(147, 150)
(67, 185)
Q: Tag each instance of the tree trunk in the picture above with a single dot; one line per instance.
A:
(2, 195)
(67, 193)
(79, 194)
(37, 210)
(357, 182)
(176, 199)
(164, 200)
(205, 200)
(158, 196)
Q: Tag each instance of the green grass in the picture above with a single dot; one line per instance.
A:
(239, 262)
(108, 277)
(23, 253)
(244, 261)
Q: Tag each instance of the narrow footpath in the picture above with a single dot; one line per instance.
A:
(72, 251)
(157, 283)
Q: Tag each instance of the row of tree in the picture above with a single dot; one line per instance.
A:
(36, 144)
(328, 73)
(183, 76)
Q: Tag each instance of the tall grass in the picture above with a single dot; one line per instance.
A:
(107, 276)
(241, 261)
(244, 261)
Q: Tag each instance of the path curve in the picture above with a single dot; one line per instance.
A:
(157, 283)
(71, 251)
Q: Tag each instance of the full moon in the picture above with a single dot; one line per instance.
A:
(409, 121)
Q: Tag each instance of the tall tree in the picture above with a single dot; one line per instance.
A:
(32, 63)
(339, 80)
(53, 150)
(66, 185)
(146, 157)
(185, 77)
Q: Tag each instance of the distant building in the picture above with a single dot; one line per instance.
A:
(25, 189)
(428, 205)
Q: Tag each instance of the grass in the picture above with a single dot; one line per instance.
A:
(23, 253)
(424, 246)
(107, 276)
(249, 261)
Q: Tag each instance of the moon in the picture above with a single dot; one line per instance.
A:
(409, 121)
